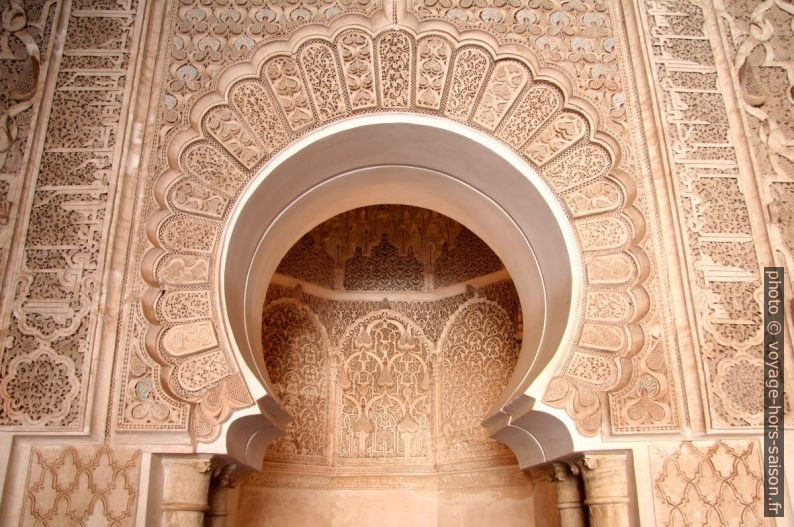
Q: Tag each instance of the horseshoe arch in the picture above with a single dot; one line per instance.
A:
(371, 111)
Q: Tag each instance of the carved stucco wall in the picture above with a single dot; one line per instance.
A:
(24, 54)
(719, 99)
(83, 485)
(387, 396)
(721, 220)
(759, 39)
(397, 395)
(419, 248)
(708, 483)
(583, 150)
(47, 323)
(54, 278)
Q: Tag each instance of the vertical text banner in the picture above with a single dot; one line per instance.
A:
(773, 390)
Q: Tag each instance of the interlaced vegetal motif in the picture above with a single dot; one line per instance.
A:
(211, 35)
(588, 43)
(296, 356)
(385, 366)
(395, 61)
(468, 258)
(577, 37)
(709, 484)
(145, 401)
(355, 51)
(25, 34)
(389, 394)
(43, 387)
(389, 248)
(405, 273)
(478, 352)
(760, 38)
(323, 79)
(85, 485)
(430, 316)
(309, 263)
(432, 63)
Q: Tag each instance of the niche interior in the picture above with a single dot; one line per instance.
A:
(389, 332)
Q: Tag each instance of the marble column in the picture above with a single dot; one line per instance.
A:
(606, 489)
(186, 481)
(570, 494)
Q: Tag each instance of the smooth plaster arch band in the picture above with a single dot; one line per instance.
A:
(415, 160)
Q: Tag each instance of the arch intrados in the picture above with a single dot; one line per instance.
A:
(415, 160)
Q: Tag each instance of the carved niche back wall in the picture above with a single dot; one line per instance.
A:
(128, 130)
(389, 333)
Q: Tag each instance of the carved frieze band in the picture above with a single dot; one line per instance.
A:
(722, 261)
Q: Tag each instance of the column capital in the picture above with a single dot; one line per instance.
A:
(606, 487)
(568, 485)
(225, 474)
(561, 471)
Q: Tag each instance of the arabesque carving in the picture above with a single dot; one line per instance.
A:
(50, 325)
(759, 39)
(478, 352)
(297, 359)
(389, 248)
(577, 38)
(25, 35)
(385, 368)
(367, 385)
(721, 257)
(366, 272)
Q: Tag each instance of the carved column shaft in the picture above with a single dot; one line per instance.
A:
(606, 489)
(570, 495)
(186, 482)
(218, 501)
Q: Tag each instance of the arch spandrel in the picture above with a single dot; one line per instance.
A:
(561, 140)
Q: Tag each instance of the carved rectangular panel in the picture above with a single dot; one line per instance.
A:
(704, 483)
(712, 206)
(50, 330)
(84, 485)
